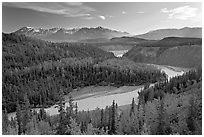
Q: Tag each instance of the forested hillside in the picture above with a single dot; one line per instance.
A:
(171, 42)
(181, 52)
(21, 51)
(39, 74)
(170, 108)
(41, 69)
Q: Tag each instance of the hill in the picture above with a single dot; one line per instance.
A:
(162, 33)
(181, 52)
(116, 43)
(21, 51)
(171, 42)
(126, 39)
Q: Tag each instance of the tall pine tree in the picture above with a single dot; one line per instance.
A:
(62, 126)
(26, 112)
(113, 128)
(19, 118)
(132, 109)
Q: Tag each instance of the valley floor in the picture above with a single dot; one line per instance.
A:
(101, 99)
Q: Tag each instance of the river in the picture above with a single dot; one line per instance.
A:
(103, 100)
(119, 53)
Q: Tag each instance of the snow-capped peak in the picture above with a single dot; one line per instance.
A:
(70, 34)
(28, 27)
(37, 30)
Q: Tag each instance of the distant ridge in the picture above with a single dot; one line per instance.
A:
(173, 51)
(195, 32)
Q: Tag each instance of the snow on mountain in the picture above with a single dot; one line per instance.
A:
(70, 35)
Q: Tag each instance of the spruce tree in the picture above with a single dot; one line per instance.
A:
(113, 128)
(61, 127)
(109, 120)
(132, 109)
(26, 112)
(19, 117)
(76, 111)
(70, 109)
(160, 129)
(102, 118)
(191, 117)
(42, 114)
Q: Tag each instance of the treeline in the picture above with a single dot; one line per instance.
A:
(176, 85)
(174, 113)
(172, 42)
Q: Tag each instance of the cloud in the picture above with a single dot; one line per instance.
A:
(140, 12)
(102, 17)
(75, 3)
(89, 18)
(98, 16)
(164, 10)
(124, 12)
(182, 13)
(69, 9)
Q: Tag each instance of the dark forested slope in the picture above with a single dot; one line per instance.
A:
(182, 52)
(21, 51)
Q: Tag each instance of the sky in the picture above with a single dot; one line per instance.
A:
(132, 17)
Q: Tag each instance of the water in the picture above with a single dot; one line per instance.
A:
(119, 53)
(169, 71)
(104, 100)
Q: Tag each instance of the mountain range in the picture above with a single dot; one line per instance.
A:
(101, 34)
(70, 35)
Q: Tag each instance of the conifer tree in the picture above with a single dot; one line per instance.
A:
(76, 111)
(113, 128)
(102, 113)
(90, 129)
(73, 128)
(70, 113)
(191, 117)
(42, 115)
(132, 109)
(160, 129)
(61, 127)
(19, 117)
(26, 112)
(70, 109)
